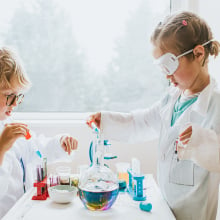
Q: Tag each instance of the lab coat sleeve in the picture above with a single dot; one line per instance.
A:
(203, 148)
(49, 147)
(6, 172)
(137, 126)
(4, 181)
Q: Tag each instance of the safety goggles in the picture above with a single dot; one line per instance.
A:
(169, 63)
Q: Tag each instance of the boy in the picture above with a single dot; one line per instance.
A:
(18, 156)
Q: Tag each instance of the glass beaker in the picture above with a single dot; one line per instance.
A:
(98, 186)
(63, 173)
(122, 171)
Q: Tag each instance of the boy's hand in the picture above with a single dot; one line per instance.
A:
(96, 118)
(10, 134)
(68, 143)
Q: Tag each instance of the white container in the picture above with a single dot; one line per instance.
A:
(62, 193)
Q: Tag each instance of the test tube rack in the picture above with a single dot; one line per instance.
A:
(135, 186)
(42, 191)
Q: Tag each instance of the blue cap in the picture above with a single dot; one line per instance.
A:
(106, 142)
(145, 206)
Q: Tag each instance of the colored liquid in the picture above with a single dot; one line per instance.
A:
(98, 200)
(123, 176)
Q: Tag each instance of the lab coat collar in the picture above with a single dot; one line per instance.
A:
(167, 109)
(200, 106)
(202, 103)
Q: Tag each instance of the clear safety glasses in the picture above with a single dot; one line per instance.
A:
(169, 63)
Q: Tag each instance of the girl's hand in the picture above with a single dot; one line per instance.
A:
(10, 134)
(183, 140)
(185, 136)
(96, 118)
(68, 143)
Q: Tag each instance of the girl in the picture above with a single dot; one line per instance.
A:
(18, 156)
(186, 120)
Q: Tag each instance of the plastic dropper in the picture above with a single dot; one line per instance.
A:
(107, 156)
(92, 125)
(27, 137)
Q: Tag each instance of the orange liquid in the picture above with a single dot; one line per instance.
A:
(123, 176)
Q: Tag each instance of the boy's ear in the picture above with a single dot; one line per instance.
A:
(199, 52)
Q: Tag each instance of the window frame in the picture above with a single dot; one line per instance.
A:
(56, 117)
(67, 117)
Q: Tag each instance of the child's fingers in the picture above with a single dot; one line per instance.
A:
(185, 136)
(68, 141)
(12, 133)
(185, 141)
(19, 130)
(187, 130)
(75, 144)
(69, 144)
(65, 145)
(25, 131)
(96, 118)
(17, 124)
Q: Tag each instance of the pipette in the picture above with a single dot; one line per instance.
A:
(107, 155)
(92, 125)
(27, 137)
(38, 153)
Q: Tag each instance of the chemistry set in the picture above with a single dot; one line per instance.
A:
(98, 187)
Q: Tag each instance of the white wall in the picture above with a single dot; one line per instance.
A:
(145, 152)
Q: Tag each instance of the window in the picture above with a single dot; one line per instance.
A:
(85, 55)
(208, 10)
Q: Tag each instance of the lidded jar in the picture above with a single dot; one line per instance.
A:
(98, 186)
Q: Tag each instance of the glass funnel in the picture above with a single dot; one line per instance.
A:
(98, 186)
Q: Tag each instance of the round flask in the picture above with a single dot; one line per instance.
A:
(98, 186)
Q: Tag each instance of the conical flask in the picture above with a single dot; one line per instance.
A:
(98, 186)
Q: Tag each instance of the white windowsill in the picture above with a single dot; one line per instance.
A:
(51, 117)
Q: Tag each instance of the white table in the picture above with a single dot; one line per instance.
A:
(123, 208)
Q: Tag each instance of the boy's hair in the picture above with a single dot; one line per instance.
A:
(182, 32)
(12, 73)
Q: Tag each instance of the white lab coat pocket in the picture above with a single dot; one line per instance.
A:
(181, 172)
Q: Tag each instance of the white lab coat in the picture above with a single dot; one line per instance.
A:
(190, 185)
(11, 172)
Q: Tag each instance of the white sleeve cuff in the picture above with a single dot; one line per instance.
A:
(203, 148)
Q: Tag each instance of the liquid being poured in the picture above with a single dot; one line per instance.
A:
(98, 199)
